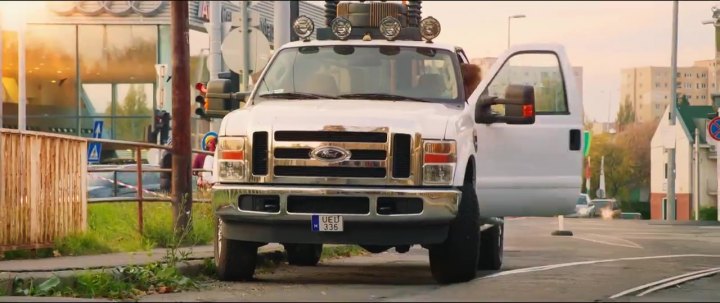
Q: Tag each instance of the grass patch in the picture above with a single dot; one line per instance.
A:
(113, 227)
(708, 214)
(342, 251)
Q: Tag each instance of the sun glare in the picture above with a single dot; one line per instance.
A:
(13, 14)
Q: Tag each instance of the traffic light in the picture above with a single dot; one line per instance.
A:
(202, 104)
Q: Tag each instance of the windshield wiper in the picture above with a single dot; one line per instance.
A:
(297, 95)
(379, 96)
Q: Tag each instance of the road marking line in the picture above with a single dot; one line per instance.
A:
(631, 244)
(562, 265)
(673, 278)
(680, 281)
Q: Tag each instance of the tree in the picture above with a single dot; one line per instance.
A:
(635, 140)
(134, 104)
(683, 101)
(617, 166)
(626, 115)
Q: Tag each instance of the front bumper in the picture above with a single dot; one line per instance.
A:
(429, 226)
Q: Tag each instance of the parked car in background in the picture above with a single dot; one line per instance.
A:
(606, 208)
(104, 185)
(584, 208)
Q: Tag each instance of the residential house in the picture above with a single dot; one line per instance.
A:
(689, 182)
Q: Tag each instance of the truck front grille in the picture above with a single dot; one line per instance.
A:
(260, 154)
(372, 155)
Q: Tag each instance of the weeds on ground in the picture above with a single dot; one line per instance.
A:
(122, 282)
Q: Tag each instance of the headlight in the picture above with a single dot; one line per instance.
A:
(439, 159)
(303, 27)
(390, 27)
(429, 28)
(341, 27)
(231, 159)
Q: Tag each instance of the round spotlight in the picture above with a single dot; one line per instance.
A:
(429, 28)
(341, 27)
(390, 27)
(303, 27)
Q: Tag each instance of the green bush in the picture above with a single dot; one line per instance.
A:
(708, 214)
(636, 207)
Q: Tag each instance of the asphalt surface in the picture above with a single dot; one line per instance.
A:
(602, 259)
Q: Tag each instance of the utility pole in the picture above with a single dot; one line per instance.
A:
(673, 93)
(181, 151)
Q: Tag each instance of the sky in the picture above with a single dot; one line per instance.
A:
(601, 36)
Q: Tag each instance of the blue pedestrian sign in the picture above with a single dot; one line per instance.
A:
(97, 129)
(94, 150)
(714, 128)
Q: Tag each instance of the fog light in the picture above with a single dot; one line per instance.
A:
(231, 170)
(437, 174)
(390, 27)
(341, 27)
(429, 28)
(303, 27)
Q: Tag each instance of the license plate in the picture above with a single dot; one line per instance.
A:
(327, 223)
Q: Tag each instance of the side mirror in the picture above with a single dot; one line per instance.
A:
(519, 104)
(220, 99)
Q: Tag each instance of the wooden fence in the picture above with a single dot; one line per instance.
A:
(43, 185)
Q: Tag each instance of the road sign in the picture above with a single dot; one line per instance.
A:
(94, 150)
(97, 129)
(714, 128)
(588, 137)
(232, 50)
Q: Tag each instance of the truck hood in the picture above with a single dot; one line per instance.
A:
(429, 119)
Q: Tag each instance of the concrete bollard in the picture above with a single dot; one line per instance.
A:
(561, 228)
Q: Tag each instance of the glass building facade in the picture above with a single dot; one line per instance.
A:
(78, 74)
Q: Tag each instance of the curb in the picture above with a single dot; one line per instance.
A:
(191, 267)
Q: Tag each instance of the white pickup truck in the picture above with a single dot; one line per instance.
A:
(365, 136)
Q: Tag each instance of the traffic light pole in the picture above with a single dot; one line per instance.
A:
(181, 148)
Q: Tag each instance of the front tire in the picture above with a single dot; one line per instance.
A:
(303, 254)
(491, 248)
(456, 260)
(234, 260)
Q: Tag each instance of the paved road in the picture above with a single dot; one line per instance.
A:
(603, 258)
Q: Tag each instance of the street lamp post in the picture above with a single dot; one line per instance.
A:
(673, 93)
(508, 31)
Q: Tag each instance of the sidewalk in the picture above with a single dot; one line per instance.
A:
(107, 260)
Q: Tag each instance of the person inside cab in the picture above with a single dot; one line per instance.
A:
(471, 77)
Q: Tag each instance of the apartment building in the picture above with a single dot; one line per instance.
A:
(523, 75)
(648, 88)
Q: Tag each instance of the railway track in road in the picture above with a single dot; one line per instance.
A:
(648, 288)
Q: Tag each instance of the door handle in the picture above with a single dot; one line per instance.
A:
(575, 139)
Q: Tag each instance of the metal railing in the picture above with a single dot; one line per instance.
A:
(138, 147)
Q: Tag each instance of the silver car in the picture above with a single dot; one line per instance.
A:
(584, 208)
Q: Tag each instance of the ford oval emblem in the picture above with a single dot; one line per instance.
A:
(330, 154)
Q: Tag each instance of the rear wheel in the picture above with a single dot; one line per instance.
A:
(491, 248)
(303, 254)
(456, 260)
(235, 260)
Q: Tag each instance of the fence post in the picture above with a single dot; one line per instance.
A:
(138, 161)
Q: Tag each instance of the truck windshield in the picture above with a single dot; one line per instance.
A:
(363, 72)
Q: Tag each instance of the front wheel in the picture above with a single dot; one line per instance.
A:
(235, 260)
(303, 254)
(456, 259)
(491, 248)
